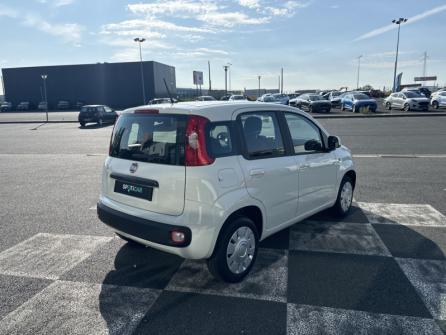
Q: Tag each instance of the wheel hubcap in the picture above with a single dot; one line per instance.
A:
(346, 196)
(241, 249)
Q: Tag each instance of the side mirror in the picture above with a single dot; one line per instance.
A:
(333, 142)
(312, 145)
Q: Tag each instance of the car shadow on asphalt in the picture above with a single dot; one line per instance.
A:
(95, 126)
(413, 273)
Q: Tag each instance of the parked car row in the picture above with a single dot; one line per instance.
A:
(42, 105)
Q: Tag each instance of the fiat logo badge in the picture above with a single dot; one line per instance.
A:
(133, 167)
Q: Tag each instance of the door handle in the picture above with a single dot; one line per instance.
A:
(304, 166)
(256, 173)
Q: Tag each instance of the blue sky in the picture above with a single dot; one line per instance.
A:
(317, 42)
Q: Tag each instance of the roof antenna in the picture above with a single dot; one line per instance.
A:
(168, 91)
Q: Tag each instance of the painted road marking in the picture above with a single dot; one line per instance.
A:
(81, 308)
(398, 156)
(403, 214)
(48, 255)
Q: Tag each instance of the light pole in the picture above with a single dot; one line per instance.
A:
(229, 74)
(259, 77)
(226, 78)
(140, 40)
(44, 76)
(398, 22)
(359, 67)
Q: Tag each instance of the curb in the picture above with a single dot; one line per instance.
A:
(24, 122)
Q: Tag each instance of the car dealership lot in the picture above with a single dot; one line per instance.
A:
(380, 270)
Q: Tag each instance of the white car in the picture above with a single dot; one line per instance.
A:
(407, 100)
(209, 180)
(438, 99)
(237, 97)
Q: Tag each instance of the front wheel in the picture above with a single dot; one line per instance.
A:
(82, 124)
(345, 197)
(310, 109)
(342, 107)
(388, 106)
(100, 122)
(435, 104)
(235, 251)
(406, 107)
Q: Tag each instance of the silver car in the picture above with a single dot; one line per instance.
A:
(408, 100)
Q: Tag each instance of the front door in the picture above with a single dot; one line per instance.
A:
(318, 169)
(271, 176)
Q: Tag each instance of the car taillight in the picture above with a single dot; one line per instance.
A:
(196, 153)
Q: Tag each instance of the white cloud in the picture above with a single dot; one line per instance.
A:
(250, 3)
(410, 20)
(69, 32)
(151, 24)
(181, 8)
(56, 3)
(231, 19)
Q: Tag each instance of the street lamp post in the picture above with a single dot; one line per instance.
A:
(44, 76)
(226, 78)
(398, 22)
(140, 40)
(259, 77)
(359, 67)
(229, 74)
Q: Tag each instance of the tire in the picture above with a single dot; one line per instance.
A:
(128, 240)
(310, 109)
(406, 108)
(354, 109)
(233, 269)
(100, 122)
(388, 106)
(342, 107)
(82, 124)
(344, 200)
(435, 104)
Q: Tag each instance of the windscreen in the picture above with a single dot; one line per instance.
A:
(413, 95)
(361, 97)
(150, 138)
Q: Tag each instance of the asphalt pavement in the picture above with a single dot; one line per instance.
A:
(50, 177)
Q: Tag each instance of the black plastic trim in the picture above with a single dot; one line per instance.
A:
(142, 228)
(135, 180)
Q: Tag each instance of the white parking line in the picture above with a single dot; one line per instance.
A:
(48, 256)
(399, 156)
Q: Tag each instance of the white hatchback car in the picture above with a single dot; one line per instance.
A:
(209, 180)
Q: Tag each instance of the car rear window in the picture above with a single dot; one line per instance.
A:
(151, 138)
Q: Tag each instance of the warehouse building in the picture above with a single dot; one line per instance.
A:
(117, 85)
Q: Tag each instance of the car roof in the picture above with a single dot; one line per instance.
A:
(214, 110)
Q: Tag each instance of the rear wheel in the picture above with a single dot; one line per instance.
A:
(435, 104)
(345, 196)
(82, 124)
(235, 251)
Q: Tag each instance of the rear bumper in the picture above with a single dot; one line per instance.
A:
(144, 229)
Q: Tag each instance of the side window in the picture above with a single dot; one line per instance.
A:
(219, 140)
(262, 135)
(302, 130)
(108, 109)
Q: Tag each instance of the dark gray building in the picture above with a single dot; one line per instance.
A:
(115, 84)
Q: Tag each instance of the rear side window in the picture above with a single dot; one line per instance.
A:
(262, 135)
(219, 140)
(153, 138)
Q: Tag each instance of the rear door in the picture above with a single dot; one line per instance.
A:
(147, 169)
(271, 176)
